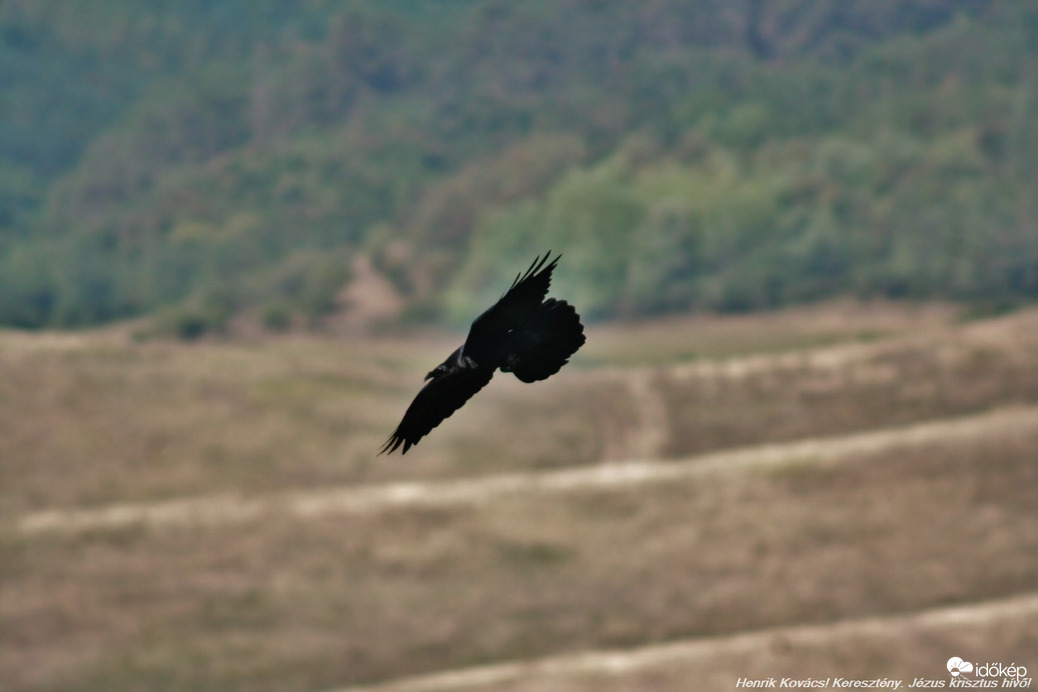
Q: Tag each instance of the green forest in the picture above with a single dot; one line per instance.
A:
(194, 160)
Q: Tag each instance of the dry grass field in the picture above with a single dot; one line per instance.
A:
(842, 490)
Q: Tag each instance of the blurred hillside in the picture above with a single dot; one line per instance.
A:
(842, 489)
(201, 159)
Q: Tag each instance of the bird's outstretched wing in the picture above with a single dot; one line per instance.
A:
(522, 300)
(437, 400)
(530, 288)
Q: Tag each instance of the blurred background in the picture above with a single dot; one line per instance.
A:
(234, 235)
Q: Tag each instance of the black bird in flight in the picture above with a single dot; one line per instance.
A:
(522, 333)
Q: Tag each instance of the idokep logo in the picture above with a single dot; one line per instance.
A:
(956, 665)
(987, 674)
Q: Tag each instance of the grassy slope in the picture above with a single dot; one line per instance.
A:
(288, 603)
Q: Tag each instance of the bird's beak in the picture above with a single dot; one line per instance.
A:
(428, 376)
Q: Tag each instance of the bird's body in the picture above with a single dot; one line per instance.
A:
(522, 333)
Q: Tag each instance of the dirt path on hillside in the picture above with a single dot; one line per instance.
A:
(716, 663)
(646, 434)
(229, 509)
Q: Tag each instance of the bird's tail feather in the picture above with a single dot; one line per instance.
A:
(559, 334)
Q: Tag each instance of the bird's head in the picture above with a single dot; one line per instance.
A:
(439, 371)
(453, 360)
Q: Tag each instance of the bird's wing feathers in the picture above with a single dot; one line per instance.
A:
(436, 401)
(532, 286)
(520, 302)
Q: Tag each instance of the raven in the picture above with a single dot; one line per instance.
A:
(522, 333)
